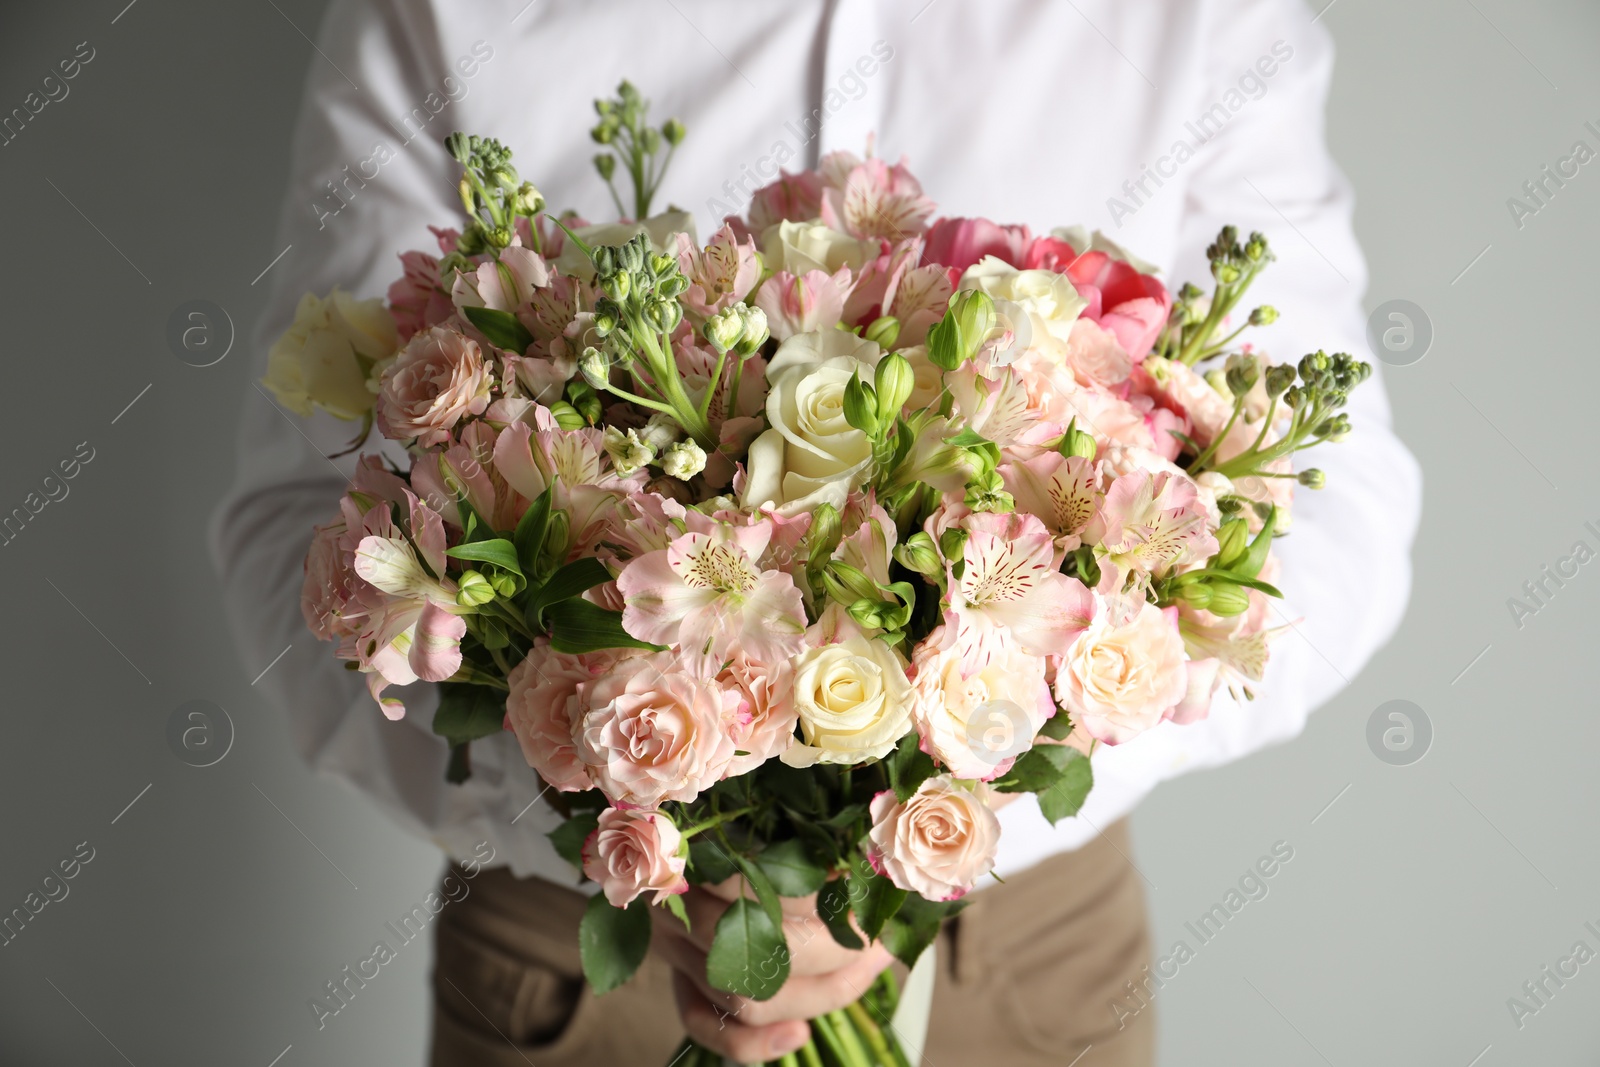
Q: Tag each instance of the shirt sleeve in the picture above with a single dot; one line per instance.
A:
(364, 182)
(1346, 571)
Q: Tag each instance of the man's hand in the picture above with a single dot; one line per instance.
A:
(823, 976)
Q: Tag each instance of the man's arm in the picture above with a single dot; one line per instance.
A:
(377, 62)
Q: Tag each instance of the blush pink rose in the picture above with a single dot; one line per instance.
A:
(438, 379)
(976, 724)
(763, 724)
(634, 852)
(543, 709)
(1121, 677)
(938, 843)
(957, 244)
(653, 733)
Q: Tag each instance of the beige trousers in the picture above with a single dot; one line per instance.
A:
(1027, 975)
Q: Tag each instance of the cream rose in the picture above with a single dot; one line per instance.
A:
(853, 700)
(438, 379)
(927, 379)
(653, 733)
(662, 230)
(633, 852)
(938, 843)
(810, 454)
(798, 247)
(977, 726)
(323, 359)
(1050, 299)
(1120, 677)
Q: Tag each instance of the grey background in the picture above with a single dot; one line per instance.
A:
(1419, 897)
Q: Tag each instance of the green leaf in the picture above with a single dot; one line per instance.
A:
(579, 626)
(792, 870)
(1057, 727)
(749, 955)
(574, 578)
(914, 928)
(710, 861)
(1037, 769)
(468, 712)
(568, 838)
(766, 895)
(833, 907)
(612, 941)
(1249, 565)
(909, 767)
(873, 898)
(674, 904)
(501, 328)
(967, 439)
(1066, 797)
(496, 550)
(531, 530)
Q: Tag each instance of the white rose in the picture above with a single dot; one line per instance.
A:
(938, 843)
(1050, 299)
(798, 247)
(927, 378)
(662, 230)
(325, 357)
(1118, 679)
(853, 699)
(810, 454)
(977, 726)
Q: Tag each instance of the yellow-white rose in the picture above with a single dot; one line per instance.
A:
(324, 358)
(1050, 299)
(661, 229)
(853, 699)
(798, 247)
(810, 454)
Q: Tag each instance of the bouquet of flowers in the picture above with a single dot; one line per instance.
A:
(790, 557)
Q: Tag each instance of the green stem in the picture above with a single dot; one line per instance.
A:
(825, 1030)
(715, 820)
(869, 1030)
(711, 387)
(849, 1039)
(1199, 463)
(809, 1054)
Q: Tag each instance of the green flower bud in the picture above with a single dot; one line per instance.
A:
(1196, 595)
(1233, 540)
(1265, 315)
(567, 416)
(606, 164)
(459, 145)
(724, 329)
(617, 286)
(631, 253)
(895, 380)
(605, 260)
(1224, 272)
(506, 584)
(473, 590)
(1228, 599)
(953, 543)
(861, 406)
(1312, 365)
(628, 453)
(1077, 443)
(588, 405)
(664, 315)
(673, 131)
(883, 331)
(1255, 250)
(823, 536)
(755, 330)
(1241, 373)
(595, 366)
(974, 312)
(917, 553)
(1280, 376)
(529, 200)
(603, 132)
(661, 263)
(1312, 478)
(650, 140)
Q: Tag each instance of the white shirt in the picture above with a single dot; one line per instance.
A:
(1156, 121)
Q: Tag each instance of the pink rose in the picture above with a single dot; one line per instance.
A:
(438, 379)
(938, 843)
(653, 732)
(1048, 253)
(1121, 677)
(633, 852)
(957, 244)
(977, 724)
(763, 725)
(543, 708)
(1131, 305)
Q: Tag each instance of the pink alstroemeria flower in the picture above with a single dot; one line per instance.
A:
(720, 276)
(705, 592)
(1150, 522)
(805, 304)
(870, 198)
(1009, 588)
(1063, 491)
